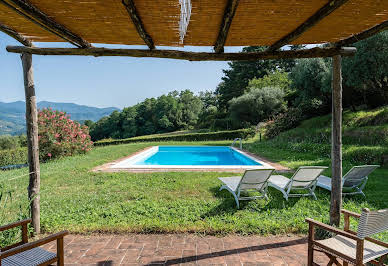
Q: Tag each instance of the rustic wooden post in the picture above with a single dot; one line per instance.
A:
(336, 143)
(32, 141)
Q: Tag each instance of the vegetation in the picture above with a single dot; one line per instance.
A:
(255, 92)
(60, 136)
(172, 112)
(13, 150)
(183, 136)
(77, 199)
(13, 156)
(8, 142)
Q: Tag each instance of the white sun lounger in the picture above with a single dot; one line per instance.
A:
(354, 180)
(252, 180)
(305, 178)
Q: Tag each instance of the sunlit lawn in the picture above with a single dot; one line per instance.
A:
(76, 199)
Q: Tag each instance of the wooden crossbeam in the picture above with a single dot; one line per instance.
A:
(14, 34)
(191, 56)
(309, 23)
(229, 12)
(132, 12)
(363, 35)
(33, 14)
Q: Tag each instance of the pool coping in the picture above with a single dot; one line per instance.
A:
(107, 167)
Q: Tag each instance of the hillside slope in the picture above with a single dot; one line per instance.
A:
(365, 140)
(12, 114)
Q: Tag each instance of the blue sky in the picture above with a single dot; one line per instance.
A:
(104, 81)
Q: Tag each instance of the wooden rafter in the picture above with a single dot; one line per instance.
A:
(229, 12)
(33, 14)
(309, 23)
(363, 35)
(14, 34)
(132, 12)
(191, 56)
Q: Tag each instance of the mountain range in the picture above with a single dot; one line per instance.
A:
(12, 115)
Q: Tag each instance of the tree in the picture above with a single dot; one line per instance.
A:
(128, 122)
(277, 79)
(311, 84)
(236, 78)
(191, 107)
(256, 105)
(366, 73)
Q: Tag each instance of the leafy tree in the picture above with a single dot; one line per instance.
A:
(311, 84)
(366, 73)
(257, 105)
(191, 106)
(128, 122)
(277, 79)
(237, 77)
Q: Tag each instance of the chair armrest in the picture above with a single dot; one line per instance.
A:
(32, 245)
(15, 224)
(332, 229)
(353, 214)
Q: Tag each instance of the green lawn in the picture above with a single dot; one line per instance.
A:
(81, 201)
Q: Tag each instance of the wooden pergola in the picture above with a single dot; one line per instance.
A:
(216, 23)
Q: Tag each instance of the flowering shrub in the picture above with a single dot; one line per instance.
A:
(61, 136)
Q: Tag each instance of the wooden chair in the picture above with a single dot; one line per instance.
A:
(352, 247)
(24, 253)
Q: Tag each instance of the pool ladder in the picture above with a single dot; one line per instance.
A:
(234, 142)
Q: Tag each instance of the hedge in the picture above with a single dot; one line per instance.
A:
(14, 156)
(219, 135)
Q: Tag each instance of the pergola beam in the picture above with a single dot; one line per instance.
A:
(14, 34)
(227, 19)
(363, 35)
(309, 23)
(33, 14)
(191, 56)
(132, 12)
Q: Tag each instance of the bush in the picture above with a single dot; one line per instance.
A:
(14, 156)
(283, 122)
(220, 135)
(12, 142)
(60, 136)
(257, 105)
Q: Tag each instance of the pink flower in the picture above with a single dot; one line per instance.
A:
(49, 154)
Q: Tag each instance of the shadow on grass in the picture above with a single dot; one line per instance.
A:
(276, 201)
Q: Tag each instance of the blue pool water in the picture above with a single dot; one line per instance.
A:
(201, 155)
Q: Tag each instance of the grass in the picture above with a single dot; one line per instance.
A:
(81, 201)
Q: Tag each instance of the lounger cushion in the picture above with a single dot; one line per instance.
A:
(279, 181)
(32, 257)
(347, 246)
(324, 182)
(231, 182)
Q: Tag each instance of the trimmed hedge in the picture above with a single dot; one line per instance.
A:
(14, 156)
(219, 135)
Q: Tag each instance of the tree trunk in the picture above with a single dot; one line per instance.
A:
(336, 145)
(32, 141)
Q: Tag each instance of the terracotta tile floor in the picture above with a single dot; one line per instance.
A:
(184, 249)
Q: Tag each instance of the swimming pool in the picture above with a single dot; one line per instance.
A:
(192, 157)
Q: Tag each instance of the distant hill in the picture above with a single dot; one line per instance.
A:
(12, 115)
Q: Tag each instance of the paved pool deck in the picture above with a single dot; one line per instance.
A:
(185, 249)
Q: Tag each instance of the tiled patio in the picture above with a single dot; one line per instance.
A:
(185, 249)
